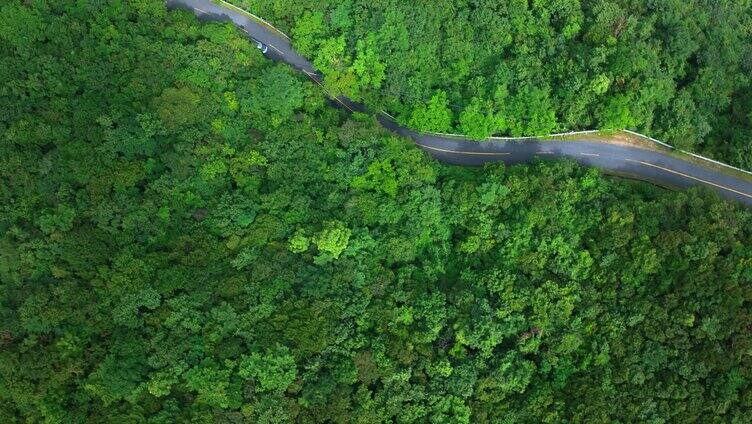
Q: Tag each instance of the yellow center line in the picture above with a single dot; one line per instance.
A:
(462, 153)
(690, 177)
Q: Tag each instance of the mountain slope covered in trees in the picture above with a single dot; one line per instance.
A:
(678, 70)
(190, 233)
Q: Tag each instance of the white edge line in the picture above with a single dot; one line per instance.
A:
(280, 51)
(242, 11)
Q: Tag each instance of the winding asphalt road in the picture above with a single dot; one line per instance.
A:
(634, 162)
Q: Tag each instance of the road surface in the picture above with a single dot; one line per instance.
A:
(648, 165)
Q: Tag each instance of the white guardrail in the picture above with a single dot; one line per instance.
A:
(532, 137)
(651, 139)
(529, 137)
(689, 153)
(272, 27)
(716, 162)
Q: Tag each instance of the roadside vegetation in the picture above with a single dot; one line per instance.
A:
(678, 70)
(190, 233)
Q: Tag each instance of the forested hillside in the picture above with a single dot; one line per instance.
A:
(190, 233)
(678, 70)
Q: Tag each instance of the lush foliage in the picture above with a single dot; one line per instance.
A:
(676, 69)
(178, 244)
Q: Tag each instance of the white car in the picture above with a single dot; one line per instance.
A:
(259, 45)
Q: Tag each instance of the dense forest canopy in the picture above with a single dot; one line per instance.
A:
(190, 233)
(678, 70)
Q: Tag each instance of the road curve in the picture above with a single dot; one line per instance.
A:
(648, 165)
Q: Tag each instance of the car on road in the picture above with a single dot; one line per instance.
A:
(259, 45)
